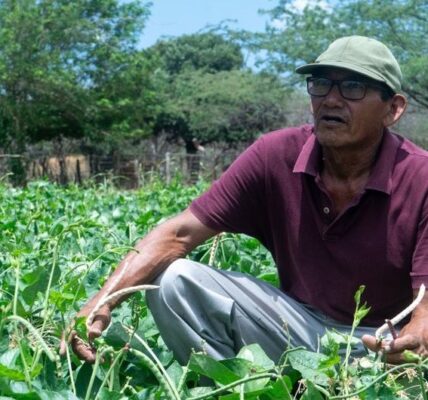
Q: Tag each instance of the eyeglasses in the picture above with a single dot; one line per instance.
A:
(348, 89)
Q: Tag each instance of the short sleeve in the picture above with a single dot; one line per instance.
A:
(419, 273)
(236, 202)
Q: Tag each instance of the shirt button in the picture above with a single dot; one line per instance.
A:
(326, 210)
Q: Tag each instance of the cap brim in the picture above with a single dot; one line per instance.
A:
(310, 68)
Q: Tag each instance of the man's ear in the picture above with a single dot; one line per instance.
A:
(397, 106)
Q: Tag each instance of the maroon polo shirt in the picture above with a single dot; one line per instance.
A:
(273, 192)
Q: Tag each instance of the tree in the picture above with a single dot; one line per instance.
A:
(55, 57)
(126, 105)
(298, 36)
(208, 51)
(210, 96)
(229, 106)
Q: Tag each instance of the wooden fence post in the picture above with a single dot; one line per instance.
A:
(168, 167)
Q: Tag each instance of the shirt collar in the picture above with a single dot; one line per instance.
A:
(309, 158)
(381, 176)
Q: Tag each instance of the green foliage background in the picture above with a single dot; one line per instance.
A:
(74, 69)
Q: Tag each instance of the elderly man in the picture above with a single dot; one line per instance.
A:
(339, 204)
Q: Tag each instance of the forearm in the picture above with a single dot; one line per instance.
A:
(163, 245)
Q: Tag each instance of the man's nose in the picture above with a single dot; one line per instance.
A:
(334, 96)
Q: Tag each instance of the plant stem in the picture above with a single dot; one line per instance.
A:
(345, 365)
(15, 263)
(322, 390)
(36, 334)
(170, 394)
(109, 372)
(48, 288)
(379, 378)
(70, 370)
(92, 380)
(158, 363)
(422, 382)
(98, 359)
(127, 385)
(183, 379)
(26, 369)
(46, 302)
(242, 392)
(17, 319)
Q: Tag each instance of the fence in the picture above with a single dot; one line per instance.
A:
(127, 172)
(130, 172)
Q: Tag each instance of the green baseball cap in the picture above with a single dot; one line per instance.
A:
(360, 54)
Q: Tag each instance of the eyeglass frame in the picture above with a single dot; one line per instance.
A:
(385, 90)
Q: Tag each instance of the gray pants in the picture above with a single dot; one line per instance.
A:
(201, 308)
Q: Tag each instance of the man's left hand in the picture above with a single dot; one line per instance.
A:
(413, 337)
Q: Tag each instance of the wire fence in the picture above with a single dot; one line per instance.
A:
(127, 172)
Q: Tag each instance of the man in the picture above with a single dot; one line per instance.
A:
(339, 204)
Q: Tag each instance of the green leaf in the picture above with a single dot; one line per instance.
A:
(59, 395)
(281, 389)
(36, 370)
(200, 391)
(250, 360)
(361, 313)
(358, 293)
(83, 377)
(311, 392)
(232, 396)
(308, 364)
(80, 327)
(239, 366)
(110, 395)
(244, 368)
(247, 394)
(207, 366)
(17, 390)
(360, 310)
(269, 277)
(330, 362)
(9, 357)
(38, 282)
(116, 335)
(256, 355)
(333, 337)
(11, 373)
(175, 372)
(386, 393)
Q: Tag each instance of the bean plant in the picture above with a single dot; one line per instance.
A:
(57, 247)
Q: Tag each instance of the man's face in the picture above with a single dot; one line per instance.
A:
(342, 123)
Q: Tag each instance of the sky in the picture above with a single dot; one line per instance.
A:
(178, 17)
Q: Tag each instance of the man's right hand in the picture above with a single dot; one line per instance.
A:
(166, 243)
(86, 351)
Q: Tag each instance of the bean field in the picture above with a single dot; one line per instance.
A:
(57, 247)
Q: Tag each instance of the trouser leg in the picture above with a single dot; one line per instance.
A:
(201, 308)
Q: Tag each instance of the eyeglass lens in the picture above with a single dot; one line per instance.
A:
(349, 89)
